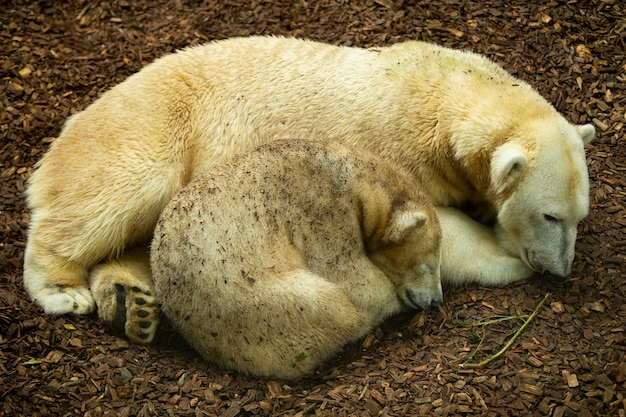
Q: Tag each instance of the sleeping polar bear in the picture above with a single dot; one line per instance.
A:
(273, 261)
(472, 136)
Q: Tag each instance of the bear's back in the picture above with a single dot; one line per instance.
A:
(302, 199)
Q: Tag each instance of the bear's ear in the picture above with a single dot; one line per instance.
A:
(403, 222)
(507, 164)
(587, 132)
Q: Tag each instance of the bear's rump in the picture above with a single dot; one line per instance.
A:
(269, 325)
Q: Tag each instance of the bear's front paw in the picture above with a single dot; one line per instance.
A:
(61, 299)
(136, 313)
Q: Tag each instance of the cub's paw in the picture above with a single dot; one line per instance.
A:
(62, 299)
(136, 313)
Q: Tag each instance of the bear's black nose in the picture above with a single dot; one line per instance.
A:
(436, 303)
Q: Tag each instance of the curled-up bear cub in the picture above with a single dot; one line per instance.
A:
(273, 261)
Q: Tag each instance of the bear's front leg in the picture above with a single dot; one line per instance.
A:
(471, 252)
(124, 292)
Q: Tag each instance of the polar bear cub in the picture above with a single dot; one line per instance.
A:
(274, 260)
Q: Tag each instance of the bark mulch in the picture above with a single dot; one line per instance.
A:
(57, 57)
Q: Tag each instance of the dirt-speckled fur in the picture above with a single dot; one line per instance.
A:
(275, 260)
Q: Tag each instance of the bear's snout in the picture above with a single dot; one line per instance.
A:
(436, 303)
(422, 299)
(559, 271)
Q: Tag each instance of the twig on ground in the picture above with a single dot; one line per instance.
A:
(511, 341)
(483, 323)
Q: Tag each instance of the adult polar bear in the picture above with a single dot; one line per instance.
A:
(470, 133)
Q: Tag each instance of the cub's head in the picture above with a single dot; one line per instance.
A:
(408, 251)
(542, 185)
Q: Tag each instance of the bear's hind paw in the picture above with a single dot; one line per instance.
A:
(136, 314)
(125, 296)
(62, 299)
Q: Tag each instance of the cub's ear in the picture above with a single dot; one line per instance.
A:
(587, 132)
(403, 222)
(507, 164)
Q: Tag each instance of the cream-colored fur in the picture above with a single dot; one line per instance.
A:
(469, 133)
(273, 261)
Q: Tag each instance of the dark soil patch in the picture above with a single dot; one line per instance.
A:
(57, 57)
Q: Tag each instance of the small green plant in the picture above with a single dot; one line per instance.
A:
(484, 323)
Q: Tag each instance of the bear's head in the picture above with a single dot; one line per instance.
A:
(541, 181)
(408, 251)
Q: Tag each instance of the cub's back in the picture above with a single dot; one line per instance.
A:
(301, 199)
